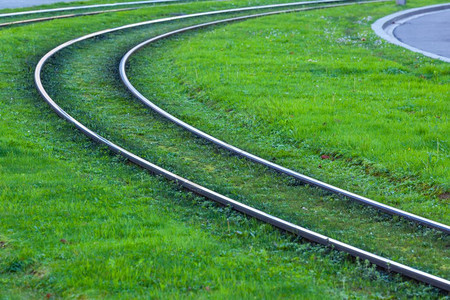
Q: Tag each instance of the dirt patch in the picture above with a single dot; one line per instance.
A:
(444, 196)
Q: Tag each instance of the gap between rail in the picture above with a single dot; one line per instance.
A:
(328, 187)
(277, 222)
(20, 22)
(41, 11)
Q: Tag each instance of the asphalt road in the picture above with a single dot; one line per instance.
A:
(26, 3)
(430, 33)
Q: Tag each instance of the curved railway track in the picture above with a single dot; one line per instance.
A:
(74, 15)
(71, 8)
(51, 10)
(306, 179)
(277, 222)
(28, 21)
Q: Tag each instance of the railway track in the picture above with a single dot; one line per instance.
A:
(74, 15)
(303, 178)
(282, 224)
(69, 8)
(35, 20)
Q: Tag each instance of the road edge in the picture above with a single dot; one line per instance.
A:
(385, 27)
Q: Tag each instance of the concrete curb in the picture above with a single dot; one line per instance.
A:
(385, 27)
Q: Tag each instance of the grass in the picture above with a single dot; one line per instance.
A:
(188, 77)
(78, 222)
(174, 7)
(94, 2)
(354, 98)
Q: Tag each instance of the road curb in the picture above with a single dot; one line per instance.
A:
(385, 27)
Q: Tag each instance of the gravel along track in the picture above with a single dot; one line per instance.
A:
(310, 235)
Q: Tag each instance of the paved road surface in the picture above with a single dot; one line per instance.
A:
(430, 33)
(25, 3)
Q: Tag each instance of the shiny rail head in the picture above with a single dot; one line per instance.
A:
(301, 177)
(279, 223)
(32, 12)
(36, 20)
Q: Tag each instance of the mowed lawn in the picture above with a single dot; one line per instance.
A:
(326, 81)
(79, 222)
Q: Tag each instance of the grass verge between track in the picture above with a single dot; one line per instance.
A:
(331, 86)
(78, 222)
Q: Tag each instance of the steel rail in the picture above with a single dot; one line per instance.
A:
(306, 179)
(20, 22)
(250, 211)
(31, 12)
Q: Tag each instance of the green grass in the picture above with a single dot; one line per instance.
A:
(174, 7)
(198, 98)
(78, 11)
(79, 222)
(94, 2)
(330, 85)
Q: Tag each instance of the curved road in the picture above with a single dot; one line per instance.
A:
(429, 32)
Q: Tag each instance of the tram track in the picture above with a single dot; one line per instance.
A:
(35, 20)
(380, 261)
(235, 150)
(70, 8)
(80, 14)
(90, 13)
